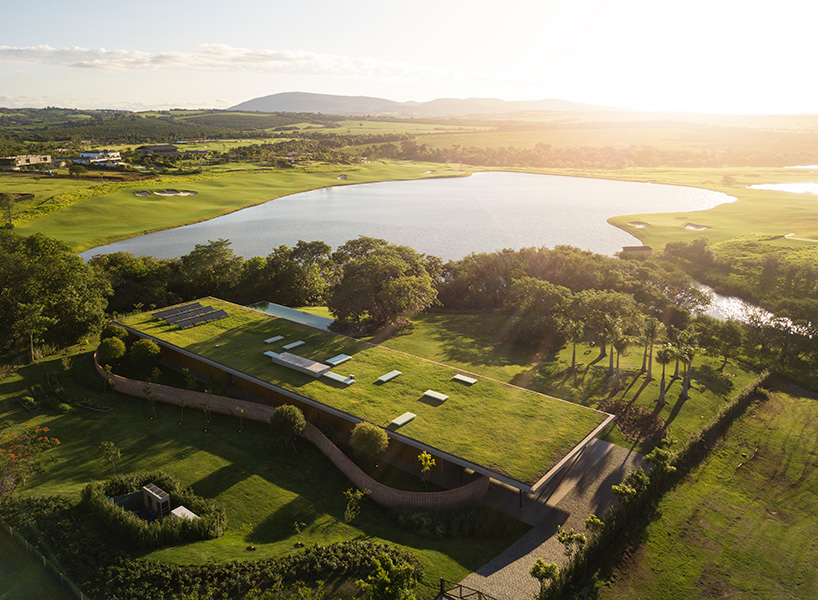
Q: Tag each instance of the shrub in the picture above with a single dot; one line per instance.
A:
(144, 356)
(469, 520)
(369, 441)
(111, 330)
(288, 422)
(110, 350)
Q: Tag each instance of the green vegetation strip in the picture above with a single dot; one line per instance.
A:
(516, 432)
(742, 525)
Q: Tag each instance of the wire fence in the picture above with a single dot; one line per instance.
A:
(48, 566)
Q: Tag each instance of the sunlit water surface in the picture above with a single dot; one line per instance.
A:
(450, 218)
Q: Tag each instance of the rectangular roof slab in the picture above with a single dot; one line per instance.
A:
(337, 360)
(388, 376)
(301, 364)
(294, 345)
(436, 395)
(339, 378)
(275, 338)
(464, 379)
(403, 419)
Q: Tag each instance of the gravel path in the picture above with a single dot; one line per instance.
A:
(506, 576)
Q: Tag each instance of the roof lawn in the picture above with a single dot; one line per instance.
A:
(513, 431)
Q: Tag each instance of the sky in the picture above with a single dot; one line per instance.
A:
(714, 56)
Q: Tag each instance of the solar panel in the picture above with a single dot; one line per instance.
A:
(209, 317)
(220, 314)
(197, 320)
(184, 324)
(174, 319)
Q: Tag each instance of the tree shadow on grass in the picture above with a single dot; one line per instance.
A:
(282, 523)
(476, 340)
(714, 380)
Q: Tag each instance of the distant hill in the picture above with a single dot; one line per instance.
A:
(367, 105)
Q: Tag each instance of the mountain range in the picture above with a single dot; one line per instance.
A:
(368, 105)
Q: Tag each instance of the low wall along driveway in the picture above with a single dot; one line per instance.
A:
(379, 493)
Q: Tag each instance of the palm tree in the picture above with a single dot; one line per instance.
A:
(663, 357)
(574, 330)
(620, 344)
(685, 355)
(650, 331)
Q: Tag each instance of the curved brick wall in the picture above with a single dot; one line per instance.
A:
(379, 493)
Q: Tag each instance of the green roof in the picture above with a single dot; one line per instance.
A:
(514, 432)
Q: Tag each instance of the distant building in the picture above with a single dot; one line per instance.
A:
(635, 251)
(163, 150)
(102, 158)
(15, 163)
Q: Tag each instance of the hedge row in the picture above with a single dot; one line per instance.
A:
(51, 525)
(648, 490)
(136, 531)
(470, 520)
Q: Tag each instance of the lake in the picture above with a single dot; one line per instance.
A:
(795, 188)
(450, 218)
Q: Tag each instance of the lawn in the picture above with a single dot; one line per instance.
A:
(22, 577)
(522, 434)
(743, 523)
(265, 488)
(99, 220)
(477, 342)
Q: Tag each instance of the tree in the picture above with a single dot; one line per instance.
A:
(574, 330)
(112, 330)
(144, 356)
(620, 344)
(539, 310)
(7, 206)
(570, 540)
(388, 581)
(426, 464)
(603, 310)
(110, 350)
(663, 357)
(211, 269)
(288, 422)
(353, 507)
(75, 170)
(650, 330)
(33, 322)
(544, 572)
(368, 441)
(110, 452)
(385, 286)
(44, 279)
(594, 524)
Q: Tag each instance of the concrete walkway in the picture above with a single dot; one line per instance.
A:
(584, 489)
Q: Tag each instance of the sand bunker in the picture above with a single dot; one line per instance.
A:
(694, 227)
(167, 193)
(638, 224)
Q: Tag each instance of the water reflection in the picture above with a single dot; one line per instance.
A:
(732, 308)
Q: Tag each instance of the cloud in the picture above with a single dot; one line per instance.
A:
(221, 57)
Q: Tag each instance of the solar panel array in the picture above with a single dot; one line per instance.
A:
(190, 315)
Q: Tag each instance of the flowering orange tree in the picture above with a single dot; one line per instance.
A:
(17, 451)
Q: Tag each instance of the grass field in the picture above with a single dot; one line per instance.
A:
(264, 487)
(742, 526)
(22, 577)
(99, 220)
(522, 434)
